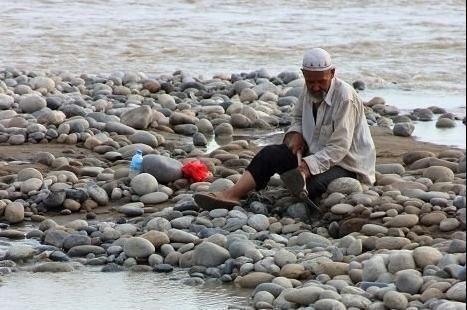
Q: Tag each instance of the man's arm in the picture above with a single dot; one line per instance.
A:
(294, 137)
(340, 141)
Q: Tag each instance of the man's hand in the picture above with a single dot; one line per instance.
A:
(295, 142)
(304, 169)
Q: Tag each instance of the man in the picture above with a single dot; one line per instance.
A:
(329, 129)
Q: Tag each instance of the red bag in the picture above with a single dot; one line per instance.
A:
(195, 170)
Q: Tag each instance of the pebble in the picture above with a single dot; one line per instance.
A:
(252, 279)
(14, 213)
(144, 183)
(138, 247)
(457, 292)
(425, 256)
(303, 296)
(209, 255)
(395, 300)
(327, 304)
(154, 198)
(408, 281)
(53, 267)
(345, 186)
(342, 209)
(403, 129)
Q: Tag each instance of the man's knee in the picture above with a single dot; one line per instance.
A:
(274, 152)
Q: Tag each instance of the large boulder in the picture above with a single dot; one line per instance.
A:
(6, 102)
(445, 123)
(411, 157)
(138, 247)
(144, 183)
(425, 256)
(345, 186)
(424, 115)
(98, 194)
(163, 168)
(138, 118)
(32, 103)
(209, 254)
(18, 252)
(403, 129)
(439, 174)
(14, 213)
(29, 173)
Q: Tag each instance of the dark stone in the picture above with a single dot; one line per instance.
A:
(121, 220)
(163, 268)
(337, 254)
(207, 232)
(273, 288)
(298, 211)
(45, 247)
(359, 85)
(229, 266)
(288, 76)
(457, 246)
(55, 237)
(54, 200)
(196, 228)
(112, 267)
(195, 85)
(186, 206)
(258, 208)
(75, 240)
(71, 110)
(76, 194)
(333, 230)
(167, 87)
(364, 285)
(58, 256)
(351, 225)
(54, 103)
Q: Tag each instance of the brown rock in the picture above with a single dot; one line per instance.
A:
(411, 157)
(157, 238)
(332, 269)
(253, 279)
(292, 271)
(439, 174)
(433, 218)
(392, 243)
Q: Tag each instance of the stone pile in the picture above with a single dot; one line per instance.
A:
(399, 244)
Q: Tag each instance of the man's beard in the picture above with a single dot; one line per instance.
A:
(317, 97)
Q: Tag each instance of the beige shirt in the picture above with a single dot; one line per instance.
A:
(340, 136)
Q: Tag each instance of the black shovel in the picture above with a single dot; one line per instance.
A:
(295, 182)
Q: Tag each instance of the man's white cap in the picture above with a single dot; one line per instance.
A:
(317, 59)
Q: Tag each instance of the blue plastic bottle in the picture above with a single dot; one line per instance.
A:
(136, 164)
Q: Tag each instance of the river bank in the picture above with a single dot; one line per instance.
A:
(66, 142)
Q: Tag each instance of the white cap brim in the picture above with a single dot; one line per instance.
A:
(318, 68)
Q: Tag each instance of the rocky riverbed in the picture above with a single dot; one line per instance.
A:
(65, 146)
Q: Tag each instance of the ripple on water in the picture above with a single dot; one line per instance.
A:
(207, 37)
(91, 289)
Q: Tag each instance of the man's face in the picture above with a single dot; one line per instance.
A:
(318, 82)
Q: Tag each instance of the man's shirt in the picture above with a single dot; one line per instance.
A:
(340, 136)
